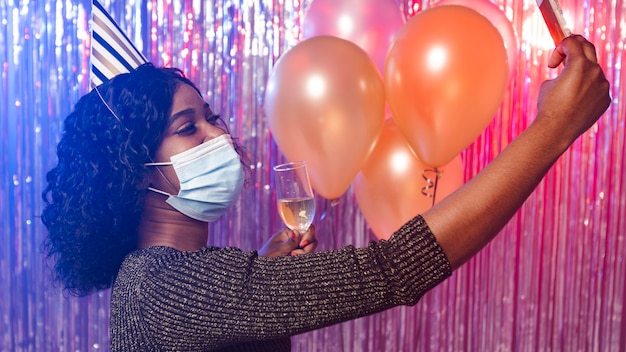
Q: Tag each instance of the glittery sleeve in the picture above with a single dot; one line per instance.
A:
(222, 296)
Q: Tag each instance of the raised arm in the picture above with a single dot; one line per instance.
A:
(568, 105)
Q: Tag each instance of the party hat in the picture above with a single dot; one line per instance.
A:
(112, 52)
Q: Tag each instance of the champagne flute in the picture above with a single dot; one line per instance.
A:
(296, 203)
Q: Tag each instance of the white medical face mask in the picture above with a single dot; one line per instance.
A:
(210, 178)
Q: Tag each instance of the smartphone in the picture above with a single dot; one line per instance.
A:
(553, 16)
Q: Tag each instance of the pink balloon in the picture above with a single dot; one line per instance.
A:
(369, 24)
(493, 13)
(325, 105)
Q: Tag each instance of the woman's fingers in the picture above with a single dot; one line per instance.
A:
(572, 46)
(307, 242)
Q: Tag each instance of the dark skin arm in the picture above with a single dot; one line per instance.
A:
(568, 105)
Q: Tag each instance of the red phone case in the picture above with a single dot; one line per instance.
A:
(553, 16)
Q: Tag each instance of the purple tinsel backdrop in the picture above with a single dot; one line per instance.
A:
(554, 279)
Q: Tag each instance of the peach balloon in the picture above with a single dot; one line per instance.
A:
(444, 78)
(325, 105)
(391, 187)
(370, 24)
(493, 13)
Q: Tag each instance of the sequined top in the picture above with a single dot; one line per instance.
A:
(225, 299)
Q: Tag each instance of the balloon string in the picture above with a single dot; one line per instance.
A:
(332, 202)
(326, 226)
(430, 184)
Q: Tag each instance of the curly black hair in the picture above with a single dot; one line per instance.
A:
(95, 195)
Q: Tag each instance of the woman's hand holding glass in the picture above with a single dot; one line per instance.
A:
(296, 204)
(294, 195)
(289, 243)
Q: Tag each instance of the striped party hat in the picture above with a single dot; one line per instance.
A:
(112, 52)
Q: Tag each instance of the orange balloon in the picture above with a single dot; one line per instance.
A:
(445, 77)
(497, 17)
(392, 186)
(325, 105)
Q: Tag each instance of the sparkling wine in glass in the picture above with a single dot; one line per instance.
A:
(296, 204)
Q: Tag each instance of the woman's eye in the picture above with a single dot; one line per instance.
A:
(213, 119)
(186, 129)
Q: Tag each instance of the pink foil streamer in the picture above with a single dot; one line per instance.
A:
(554, 279)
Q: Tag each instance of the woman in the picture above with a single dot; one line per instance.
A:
(144, 164)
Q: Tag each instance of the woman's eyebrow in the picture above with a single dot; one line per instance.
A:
(207, 107)
(189, 111)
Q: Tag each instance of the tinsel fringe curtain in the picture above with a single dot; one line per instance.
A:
(554, 279)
